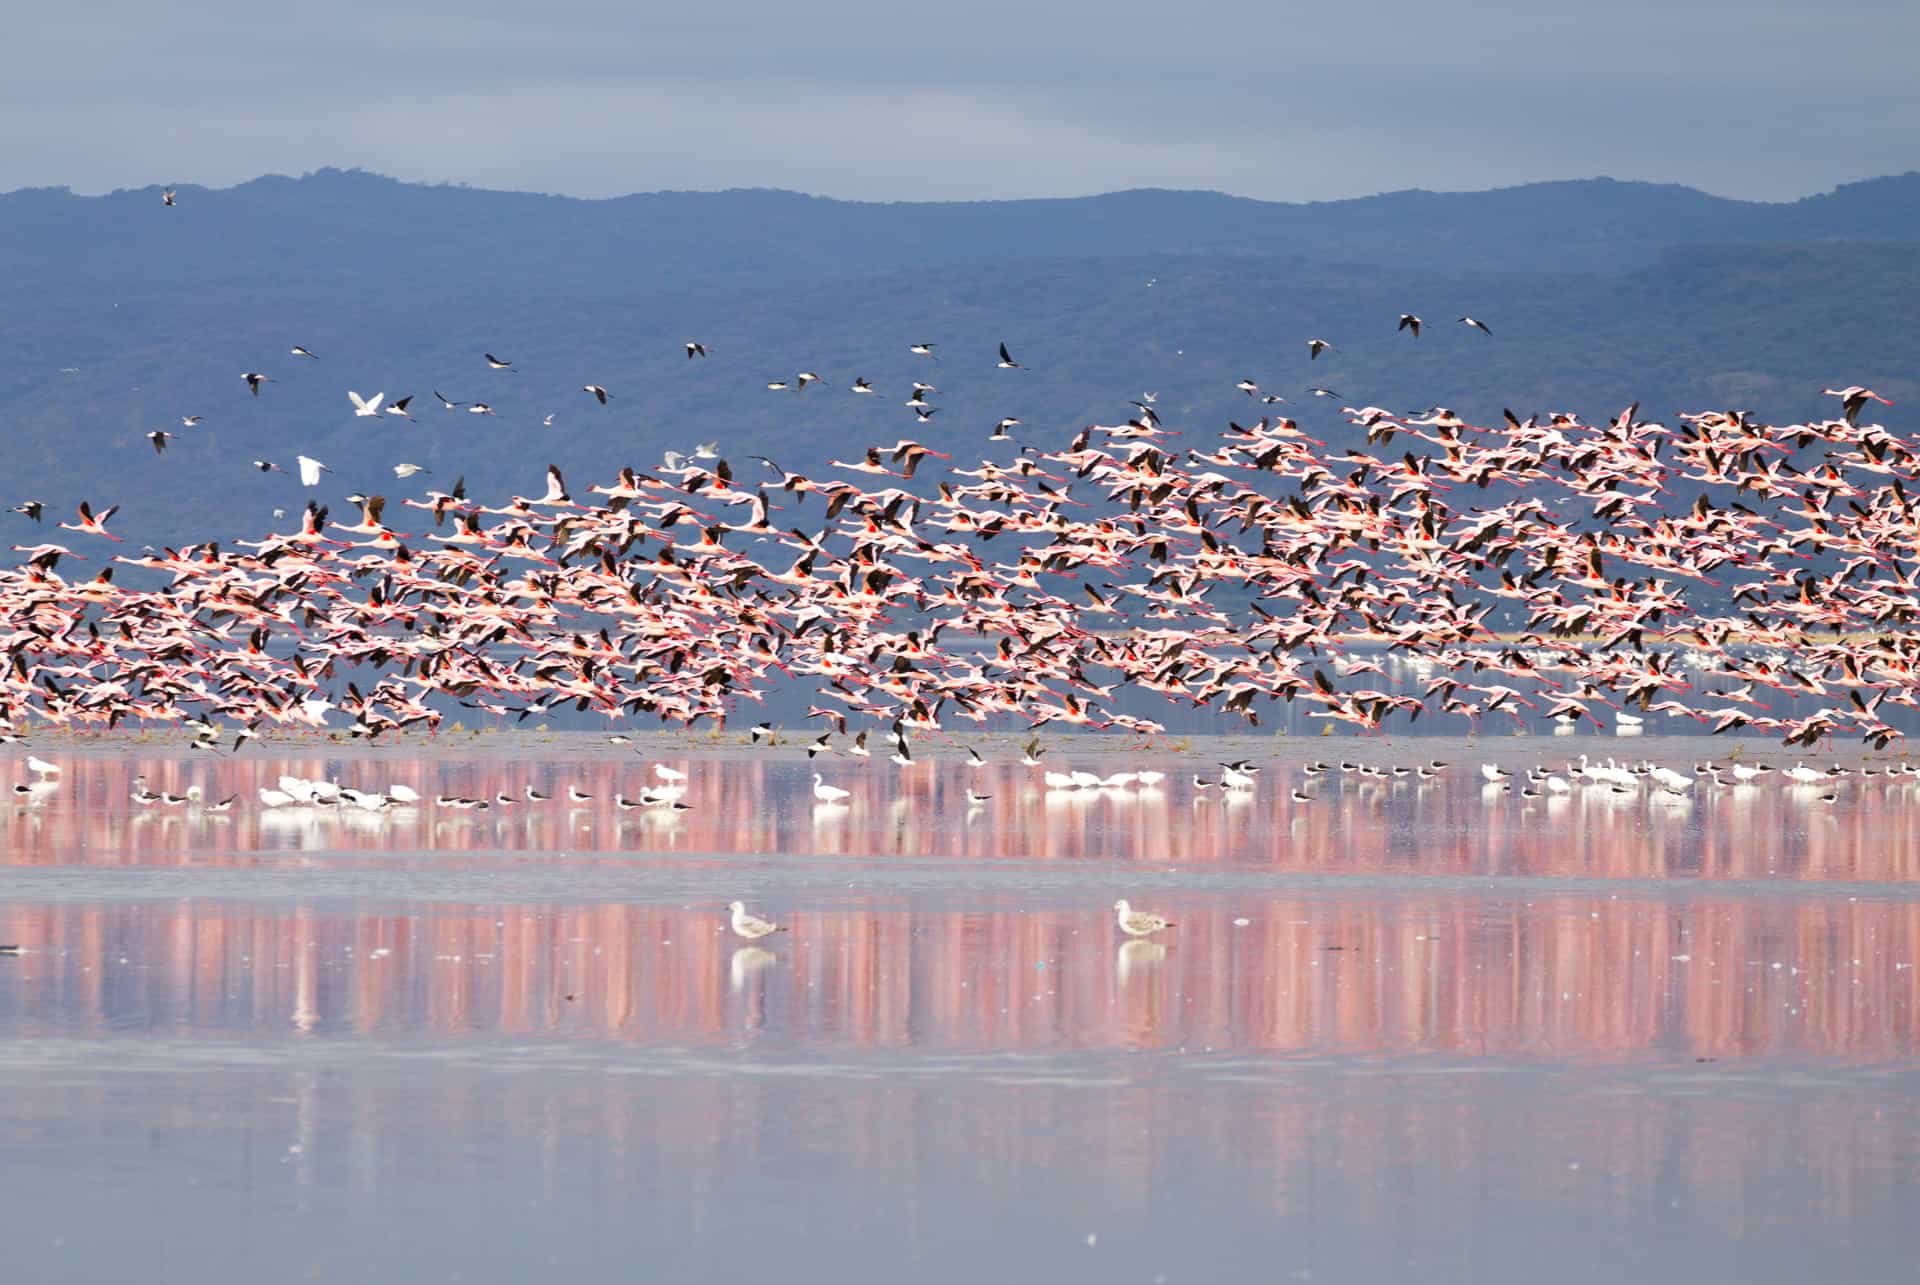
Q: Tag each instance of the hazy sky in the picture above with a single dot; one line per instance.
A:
(985, 98)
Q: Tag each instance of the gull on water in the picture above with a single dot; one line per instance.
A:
(750, 926)
(1138, 923)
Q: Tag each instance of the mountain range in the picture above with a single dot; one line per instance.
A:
(124, 315)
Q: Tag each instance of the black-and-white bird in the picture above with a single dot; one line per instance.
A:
(166, 197)
(496, 363)
(31, 508)
(695, 349)
(1315, 347)
(159, 437)
(254, 379)
(1006, 360)
(1481, 326)
(189, 421)
(400, 407)
(862, 386)
(804, 378)
(446, 403)
(921, 350)
(1000, 430)
(298, 351)
(268, 466)
(1409, 322)
(479, 408)
(599, 394)
(1248, 387)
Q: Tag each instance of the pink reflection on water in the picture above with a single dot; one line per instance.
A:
(1555, 977)
(1451, 827)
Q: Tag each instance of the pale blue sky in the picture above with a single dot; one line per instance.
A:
(883, 100)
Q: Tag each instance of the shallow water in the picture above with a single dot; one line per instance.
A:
(1401, 1030)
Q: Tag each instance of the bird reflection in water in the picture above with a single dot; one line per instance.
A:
(1136, 954)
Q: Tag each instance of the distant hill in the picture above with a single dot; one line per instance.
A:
(124, 315)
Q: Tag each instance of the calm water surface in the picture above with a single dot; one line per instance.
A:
(1402, 1031)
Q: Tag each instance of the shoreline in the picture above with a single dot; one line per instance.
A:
(945, 747)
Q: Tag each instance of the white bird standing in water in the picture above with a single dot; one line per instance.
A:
(749, 926)
(1138, 923)
(827, 793)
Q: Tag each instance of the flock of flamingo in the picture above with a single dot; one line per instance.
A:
(1215, 567)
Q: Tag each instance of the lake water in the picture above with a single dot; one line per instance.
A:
(1401, 1031)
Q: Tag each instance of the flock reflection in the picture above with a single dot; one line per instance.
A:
(1445, 950)
(1449, 827)
(1593, 978)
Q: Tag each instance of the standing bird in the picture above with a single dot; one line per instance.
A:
(254, 379)
(1138, 923)
(1006, 360)
(1481, 326)
(1315, 347)
(1409, 322)
(827, 793)
(600, 394)
(748, 926)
